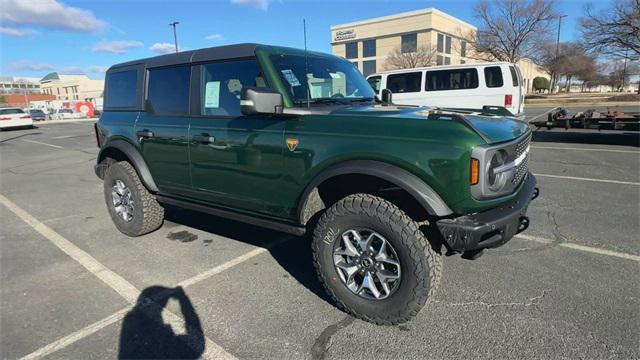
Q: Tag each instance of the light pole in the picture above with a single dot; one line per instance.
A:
(557, 46)
(175, 36)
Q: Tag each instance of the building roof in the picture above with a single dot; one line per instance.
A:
(400, 16)
(62, 77)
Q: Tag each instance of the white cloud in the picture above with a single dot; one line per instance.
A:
(116, 47)
(29, 66)
(16, 32)
(49, 13)
(162, 48)
(214, 37)
(258, 4)
(72, 70)
(99, 69)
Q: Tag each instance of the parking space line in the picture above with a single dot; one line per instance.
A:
(585, 149)
(113, 280)
(42, 143)
(588, 179)
(589, 249)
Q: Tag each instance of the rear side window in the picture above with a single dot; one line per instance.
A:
(457, 79)
(514, 76)
(11, 111)
(222, 85)
(404, 83)
(168, 91)
(122, 89)
(374, 81)
(493, 76)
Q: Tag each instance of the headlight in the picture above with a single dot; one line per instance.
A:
(496, 172)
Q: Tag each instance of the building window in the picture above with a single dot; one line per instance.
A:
(439, 60)
(447, 61)
(440, 42)
(369, 48)
(447, 45)
(455, 79)
(493, 76)
(368, 67)
(160, 101)
(409, 43)
(463, 49)
(351, 50)
(404, 83)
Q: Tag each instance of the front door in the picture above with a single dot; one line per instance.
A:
(236, 160)
(163, 129)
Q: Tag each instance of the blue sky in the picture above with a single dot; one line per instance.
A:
(40, 36)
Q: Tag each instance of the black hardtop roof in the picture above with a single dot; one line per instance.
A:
(206, 54)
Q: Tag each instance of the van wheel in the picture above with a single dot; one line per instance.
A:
(133, 209)
(374, 261)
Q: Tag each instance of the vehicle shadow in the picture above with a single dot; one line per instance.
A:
(146, 335)
(294, 255)
(588, 137)
(18, 136)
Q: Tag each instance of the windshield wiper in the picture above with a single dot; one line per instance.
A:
(362, 100)
(320, 101)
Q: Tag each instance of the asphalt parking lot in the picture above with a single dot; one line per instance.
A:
(72, 286)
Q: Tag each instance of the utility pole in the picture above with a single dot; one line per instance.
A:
(175, 36)
(557, 47)
(624, 68)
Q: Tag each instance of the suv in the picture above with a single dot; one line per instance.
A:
(298, 142)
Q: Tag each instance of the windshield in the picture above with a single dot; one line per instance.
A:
(327, 78)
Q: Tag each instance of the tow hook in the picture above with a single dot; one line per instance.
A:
(536, 192)
(524, 224)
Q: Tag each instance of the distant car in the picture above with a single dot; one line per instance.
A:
(37, 114)
(11, 117)
(64, 114)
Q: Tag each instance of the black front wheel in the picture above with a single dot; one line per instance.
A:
(374, 261)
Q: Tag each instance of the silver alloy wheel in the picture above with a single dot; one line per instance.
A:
(122, 200)
(367, 264)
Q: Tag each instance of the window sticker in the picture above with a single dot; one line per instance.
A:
(212, 94)
(291, 77)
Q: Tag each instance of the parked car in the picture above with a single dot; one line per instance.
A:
(65, 114)
(12, 117)
(37, 114)
(297, 142)
(467, 86)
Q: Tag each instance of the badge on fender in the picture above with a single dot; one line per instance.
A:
(292, 144)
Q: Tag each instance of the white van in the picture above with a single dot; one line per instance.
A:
(466, 86)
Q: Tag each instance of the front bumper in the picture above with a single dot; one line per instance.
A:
(491, 228)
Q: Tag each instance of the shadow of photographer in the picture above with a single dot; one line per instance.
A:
(148, 332)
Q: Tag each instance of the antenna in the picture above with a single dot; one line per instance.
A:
(306, 64)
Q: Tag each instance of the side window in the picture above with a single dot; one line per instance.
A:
(121, 89)
(222, 85)
(168, 91)
(374, 81)
(514, 76)
(404, 83)
(493, 76)
(457, 79)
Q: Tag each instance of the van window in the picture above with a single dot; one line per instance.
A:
(514, 76)
(222, 85)
(375, 81)
(404, 83)
(168, 91)
(493, 76)
(456, 79)
(121, 89)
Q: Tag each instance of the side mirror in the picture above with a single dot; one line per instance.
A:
(259, 100)
(387, 96)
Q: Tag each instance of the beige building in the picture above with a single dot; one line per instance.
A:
(368, 43)
(71, 87)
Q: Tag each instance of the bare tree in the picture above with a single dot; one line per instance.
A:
(423, 56)
(511, 29)
(613, 31)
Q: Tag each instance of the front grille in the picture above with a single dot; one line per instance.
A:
(522, 146)
(522, 168)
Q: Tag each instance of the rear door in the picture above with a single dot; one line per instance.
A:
(236, 160)
(162, 130)
(516, 82)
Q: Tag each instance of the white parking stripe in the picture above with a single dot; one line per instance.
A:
(574, 246)
(41, 143)
(113, 280)
(588, 179)
(585, 149)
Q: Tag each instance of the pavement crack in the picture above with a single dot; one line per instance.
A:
(322, 343)
(534, 301)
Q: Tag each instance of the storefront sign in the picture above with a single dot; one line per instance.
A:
(344, 35)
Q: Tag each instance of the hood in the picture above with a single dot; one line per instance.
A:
(494, 129)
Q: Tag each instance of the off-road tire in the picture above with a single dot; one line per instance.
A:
(421, 265)
(148, 214)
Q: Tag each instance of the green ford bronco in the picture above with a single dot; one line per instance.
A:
(297, 141)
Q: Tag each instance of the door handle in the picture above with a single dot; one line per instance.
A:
(203, 139)
(145, 134)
